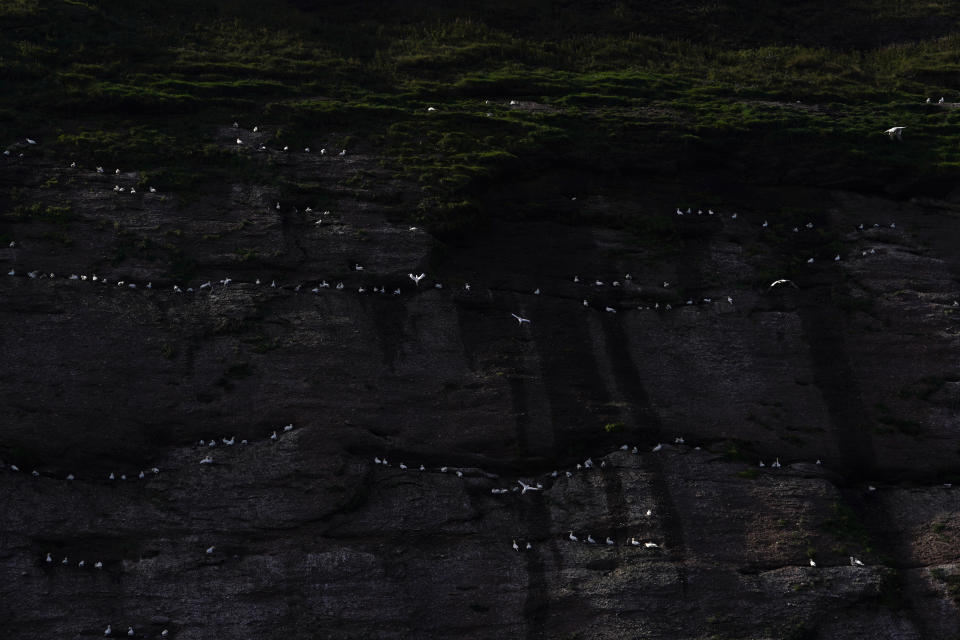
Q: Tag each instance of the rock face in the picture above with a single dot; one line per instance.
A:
(675, 394)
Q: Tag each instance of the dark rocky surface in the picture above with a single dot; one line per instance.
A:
(856, 367)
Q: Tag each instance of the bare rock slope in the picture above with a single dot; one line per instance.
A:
(638, 403)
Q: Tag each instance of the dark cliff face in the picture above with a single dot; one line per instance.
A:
(593, 416)
(306, 536)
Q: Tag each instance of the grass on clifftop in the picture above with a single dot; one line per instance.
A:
(144, 85)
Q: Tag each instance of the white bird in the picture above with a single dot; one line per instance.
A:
(81, 564)
(729, 299)
(782, 281)
(107, 631)
(164, 633)
(649, 512)
(658, 447)
(98, 565)
(733, 217)
(343, 152)
(31, 141)
(536, 291)
(609, 541)
(130, 631)
(142, 475)
(586, 304)
(809, 260)
(854, 562)
(610, 310)
(590, 539)
(895, 132)
(207, 460)
(520, 320)
(273, 436)
(634, 542)
(775, 464)
(49, 559)
(417, 279)
(153, 189)
(210, 550)
(459, 473)
(527, 487)
(529, 546)
(650, 545)
(573, 538)
(812, 563)
(289, 427)
(765, 224)
(516, 547)
(403, 466)
(65, 560)
(431, 108)
(70, 477)
(111, 476)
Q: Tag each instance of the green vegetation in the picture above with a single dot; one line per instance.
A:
(614, 427)
(138, 85)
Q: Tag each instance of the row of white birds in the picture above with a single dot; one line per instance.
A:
(229, 442)
(766, 223)
(208, 459)
(318, 287)
(131, 633)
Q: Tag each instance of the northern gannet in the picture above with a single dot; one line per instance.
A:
(573, 538)
(782, 281)
(527, 487)
(895, 132)
(519, 319)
